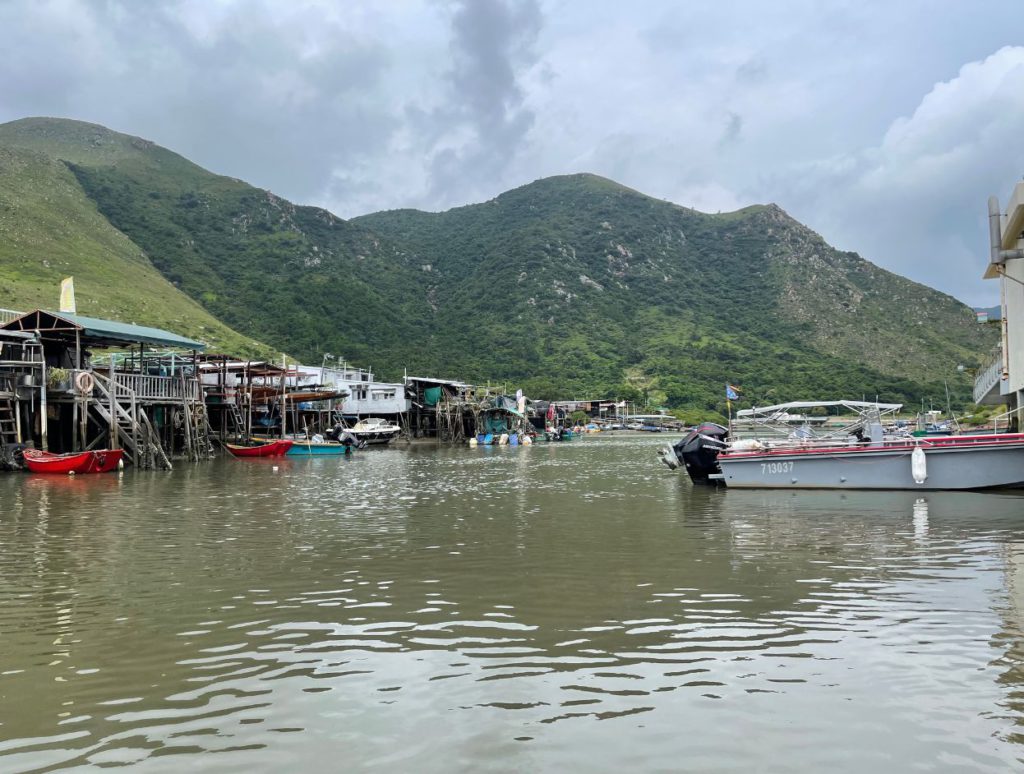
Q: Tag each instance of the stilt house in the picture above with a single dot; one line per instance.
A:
(65, 397)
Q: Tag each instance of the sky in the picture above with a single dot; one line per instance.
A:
(883, 126)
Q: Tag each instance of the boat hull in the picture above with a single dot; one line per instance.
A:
(95, 461)
(374, 430)
(378, 437)
(313, 449)
(974, 462)
(269, 449)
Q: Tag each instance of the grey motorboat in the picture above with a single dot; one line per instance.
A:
(855, 455)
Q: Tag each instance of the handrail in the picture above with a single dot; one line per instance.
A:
(989, 373)
(1006, 414)
(146, 387)
(6, 315)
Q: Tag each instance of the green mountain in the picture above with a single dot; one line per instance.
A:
(568, 286)
(50, 229)
(600, 281)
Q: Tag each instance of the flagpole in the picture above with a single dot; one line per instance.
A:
(728, 404)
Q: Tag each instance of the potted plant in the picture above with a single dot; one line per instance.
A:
(58, 379)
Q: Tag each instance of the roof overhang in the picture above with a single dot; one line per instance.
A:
(431, 380)
(29, 336)
(64, 326)
(1013, 221)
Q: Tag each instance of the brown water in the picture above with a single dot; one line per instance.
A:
(562, 607)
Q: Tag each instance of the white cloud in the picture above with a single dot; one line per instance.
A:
(916, 201)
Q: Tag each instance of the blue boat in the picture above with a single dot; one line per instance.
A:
(319, 449)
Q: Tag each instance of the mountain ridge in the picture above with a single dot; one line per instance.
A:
(566, 284)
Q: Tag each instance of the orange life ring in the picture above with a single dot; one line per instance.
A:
(84, 381)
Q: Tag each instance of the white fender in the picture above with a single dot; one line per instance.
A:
(918, 466)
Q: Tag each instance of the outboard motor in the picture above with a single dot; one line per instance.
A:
(11, 456)
(698, 452)
(350, 439)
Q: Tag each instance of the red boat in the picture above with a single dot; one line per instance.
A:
(276, 448)
(96, 461)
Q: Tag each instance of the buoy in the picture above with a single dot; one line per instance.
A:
(918, 465)
(84, 382)
(472, 443)
(275, 468)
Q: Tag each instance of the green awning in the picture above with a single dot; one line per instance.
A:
(504, 410)
(432, 396)
(105, 332)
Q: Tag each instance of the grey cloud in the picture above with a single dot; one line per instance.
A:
(493, 40)
(754, 70)
(251, 101)
(733, 128)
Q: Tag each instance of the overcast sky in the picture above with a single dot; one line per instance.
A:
(882, 125)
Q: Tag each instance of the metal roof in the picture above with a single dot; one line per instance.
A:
(101, 331)
(432, 380)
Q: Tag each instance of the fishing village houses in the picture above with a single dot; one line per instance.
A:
(71, 383)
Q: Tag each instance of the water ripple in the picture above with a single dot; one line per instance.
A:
(483, 609)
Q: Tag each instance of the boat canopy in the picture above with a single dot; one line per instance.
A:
(857, 406)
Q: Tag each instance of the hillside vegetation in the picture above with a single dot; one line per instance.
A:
(569, 286)
(50, 229)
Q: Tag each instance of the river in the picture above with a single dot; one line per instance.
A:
(561, 607)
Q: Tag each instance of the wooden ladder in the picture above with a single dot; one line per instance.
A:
(8, 422)
(237, 420)
(196, 431)
(9, 429)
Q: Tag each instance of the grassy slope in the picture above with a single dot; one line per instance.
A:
(296, 277)
(50, 229)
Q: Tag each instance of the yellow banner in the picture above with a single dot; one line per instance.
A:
(67, 295)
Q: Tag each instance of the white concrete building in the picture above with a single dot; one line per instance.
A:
(1001, 378)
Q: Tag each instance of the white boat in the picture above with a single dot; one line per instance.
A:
(375, 430)
(855, 455)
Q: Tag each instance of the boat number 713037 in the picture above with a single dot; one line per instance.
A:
(776, 467)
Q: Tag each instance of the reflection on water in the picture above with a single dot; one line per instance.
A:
(549, 607)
